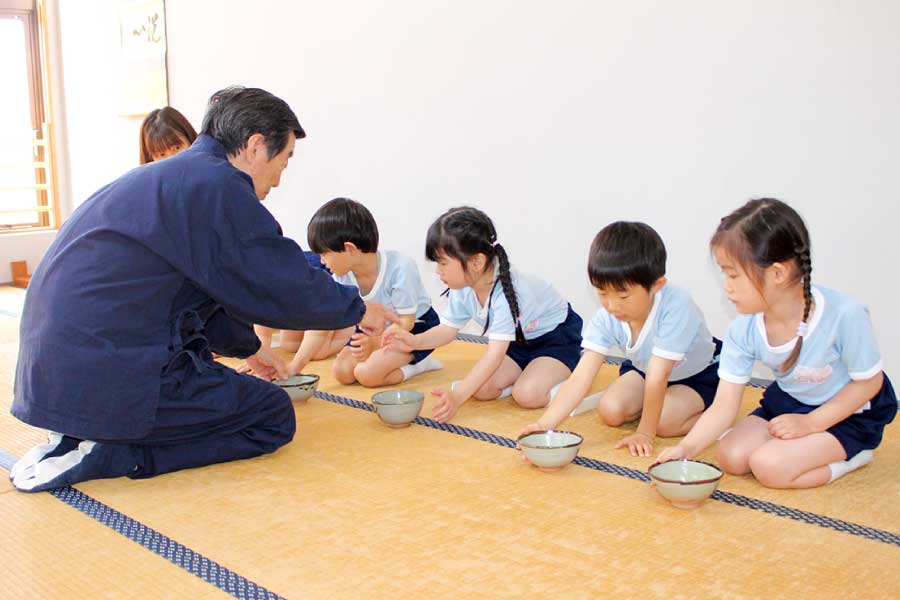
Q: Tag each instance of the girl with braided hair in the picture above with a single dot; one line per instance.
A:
(534, 336)
(826, 410)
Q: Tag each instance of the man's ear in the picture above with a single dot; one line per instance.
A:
(256, 147)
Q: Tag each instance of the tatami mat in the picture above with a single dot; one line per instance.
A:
(870, 496)
(354, 509)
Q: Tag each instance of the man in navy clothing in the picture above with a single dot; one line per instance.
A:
(157, 270)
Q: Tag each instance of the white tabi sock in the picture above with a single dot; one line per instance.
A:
(429, 363)
(842, 467)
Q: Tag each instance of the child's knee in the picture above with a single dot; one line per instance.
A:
(668, 428)
(733, 458)
(611, 412)
(322, 353)
(343, 373)
(768, 468)
(527, 397)
(366, 376)
(486, 392)
(673, 425)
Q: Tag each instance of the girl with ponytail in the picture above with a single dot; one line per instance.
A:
(534, 336)
(827, 408)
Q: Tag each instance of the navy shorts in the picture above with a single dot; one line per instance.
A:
(859, 431)
(563, 344)
(704, 383)
(424, 323)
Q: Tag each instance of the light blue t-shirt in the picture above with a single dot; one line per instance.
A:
(541, 307)
(839, 347)
(675, 330)
(398, 284)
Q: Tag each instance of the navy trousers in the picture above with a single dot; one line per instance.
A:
(207, 412)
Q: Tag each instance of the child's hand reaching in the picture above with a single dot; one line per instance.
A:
(673, 453)
(532, 427)
(398, 340)
(362, 346)
(445, 405)
(639, 444)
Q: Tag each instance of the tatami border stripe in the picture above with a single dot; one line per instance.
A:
(878, 535)
(181, 556)
(7, 460)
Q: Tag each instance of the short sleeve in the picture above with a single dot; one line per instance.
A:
(677, 326)
(405, 283)
(600, 335)
(738, 351)
(458, 311)
(857, 343)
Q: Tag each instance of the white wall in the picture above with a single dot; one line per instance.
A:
(555, 118)
(29, 247)
(559, 118)
(100, 145)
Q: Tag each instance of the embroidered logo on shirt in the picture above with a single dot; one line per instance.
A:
(812, 374)
(530, 326)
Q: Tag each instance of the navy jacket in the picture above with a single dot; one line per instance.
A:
(178, 236)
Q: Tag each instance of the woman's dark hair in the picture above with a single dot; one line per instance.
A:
(342, 220)
(235, 113)
(763, 232)
(162, 129)
(461, 233)
(624, 254)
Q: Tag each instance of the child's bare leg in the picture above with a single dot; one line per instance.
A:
(343, 367)
(264, 334)
(505, 375)
(735, 448)
(382, 368)
(532, 389)
(681, 408)
(291, 340)
(797, 463)
(623, 400)
(336, 341)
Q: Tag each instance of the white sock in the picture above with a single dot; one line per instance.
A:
(429, 363)
(587, 404)
(554, 390)
(842, 467)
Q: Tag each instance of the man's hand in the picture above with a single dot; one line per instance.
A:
(375, 317)
(267, 365)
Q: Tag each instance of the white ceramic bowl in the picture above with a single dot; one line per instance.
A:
(685, 483)
(398, 408)
(550, 450)
(299, 387)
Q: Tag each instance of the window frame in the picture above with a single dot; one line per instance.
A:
(45, 187)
